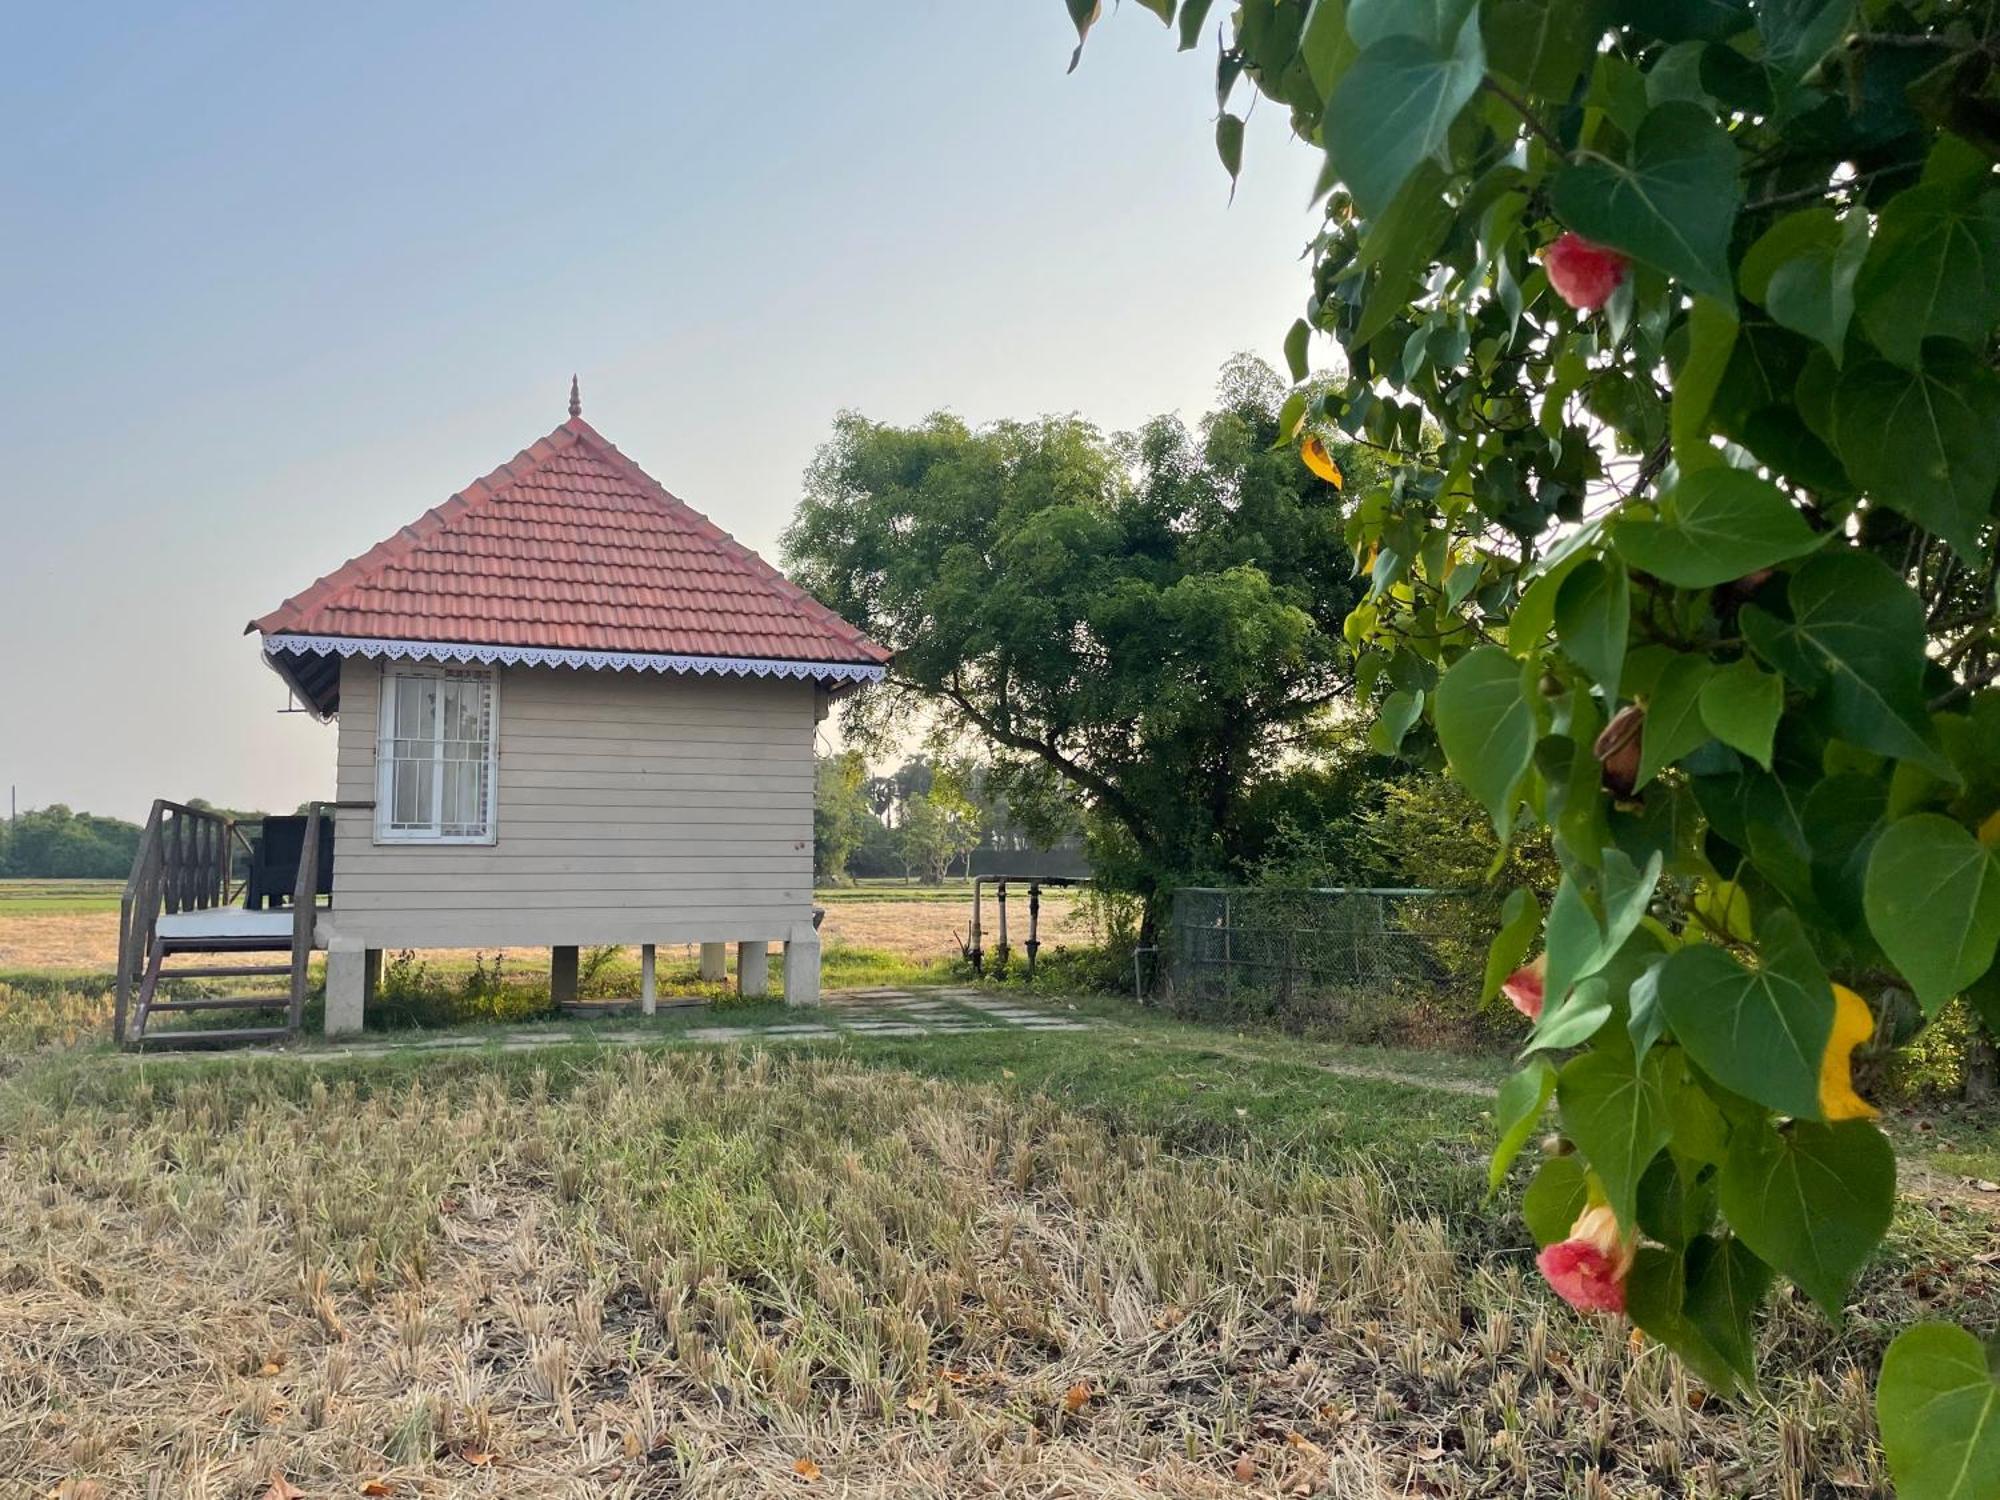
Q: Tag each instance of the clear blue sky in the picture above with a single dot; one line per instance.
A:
(278, 278)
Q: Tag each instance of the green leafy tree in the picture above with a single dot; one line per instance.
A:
(842, 817)
(939, 826)
(54, 841)
(1673, 324)
(1151, 620)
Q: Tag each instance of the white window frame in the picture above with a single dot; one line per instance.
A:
(385, 759)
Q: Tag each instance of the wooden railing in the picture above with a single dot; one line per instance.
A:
(183, 864)
(305, 912)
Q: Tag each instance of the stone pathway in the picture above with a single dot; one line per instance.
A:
(850, 1013)
(896, 1012)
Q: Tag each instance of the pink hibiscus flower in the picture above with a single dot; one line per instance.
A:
(1583, 274)
(1524, 988)
(1588, 1269)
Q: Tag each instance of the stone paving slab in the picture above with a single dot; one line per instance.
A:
(878, 1012)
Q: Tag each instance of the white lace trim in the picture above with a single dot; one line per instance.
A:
(549, 656)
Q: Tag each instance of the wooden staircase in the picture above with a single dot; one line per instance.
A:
(151, 1003)
(183, 866)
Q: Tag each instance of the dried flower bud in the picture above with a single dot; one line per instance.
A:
(1617, 749)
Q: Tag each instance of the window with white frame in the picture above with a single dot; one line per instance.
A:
(435, 764)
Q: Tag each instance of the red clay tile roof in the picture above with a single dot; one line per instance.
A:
(572, 545)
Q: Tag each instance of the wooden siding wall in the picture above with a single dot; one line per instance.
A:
(632, 808)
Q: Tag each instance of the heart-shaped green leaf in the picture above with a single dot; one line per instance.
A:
(1520, 920)
(1574, 1019)
(1811, 1200)
(1933, 900)
(1297, 338)
(1714, 527)
(1433, 21)
(1802, 271)
(1487, 729)
(1593, 617)
(1934, 272)
(1673, 716)
(1581, 940)
(1617, 1115)
(1856, 636)
(1676, 1200)
(1702, 1306)
(1193, 13)
(1535, 614)
(1399, 711)
(1325, 44)
(1711, 339)
(1645, 1021)
(1939, 1405)
(1761, 1032)
(1394, 106)
(1671, 206)
(1843, 818)
(1924, 441)
(1555, 1195)
(1700, 1132)
(1798, 33)
(1740, 704)
(1522, 1099)
(1229, 146)
(1541, 47)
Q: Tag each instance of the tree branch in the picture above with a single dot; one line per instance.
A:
(1520, 107)
(1105, 791)
(1963, 690)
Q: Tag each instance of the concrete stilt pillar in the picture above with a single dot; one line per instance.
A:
(649, 989)
(753, 969)
(562, 976)
(346, 989)
(802, 965)
(714, 961)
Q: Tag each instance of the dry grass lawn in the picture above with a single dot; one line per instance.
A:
(711, 1274)
(87, 941)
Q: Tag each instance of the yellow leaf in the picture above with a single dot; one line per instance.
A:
(1989, 831)
(1853, 1024)
(924, 1401)
(1725, 907)
(479, 1458)
(378, 1487)
(807, 1470)
(1077, 1397)
(1313, 451)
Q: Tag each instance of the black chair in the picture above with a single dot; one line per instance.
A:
(274, 861)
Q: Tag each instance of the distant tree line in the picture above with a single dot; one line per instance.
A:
(922, 821)
(55, 843)
(58, 843)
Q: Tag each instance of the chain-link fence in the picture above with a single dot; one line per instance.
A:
(1377, 964)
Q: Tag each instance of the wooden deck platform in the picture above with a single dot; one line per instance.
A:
(226, 923)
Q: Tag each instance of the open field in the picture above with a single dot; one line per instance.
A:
(22, 897)
(65, 928)
(1151, 1258)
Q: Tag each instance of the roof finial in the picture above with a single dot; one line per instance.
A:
(575, 400)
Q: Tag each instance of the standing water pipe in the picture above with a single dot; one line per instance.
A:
(974, 949)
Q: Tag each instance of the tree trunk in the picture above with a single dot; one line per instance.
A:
(1980, 1068)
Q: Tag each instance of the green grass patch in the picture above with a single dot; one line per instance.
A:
(57, 897)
